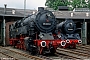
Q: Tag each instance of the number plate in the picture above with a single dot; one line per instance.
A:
(70, 29)
(46, 23)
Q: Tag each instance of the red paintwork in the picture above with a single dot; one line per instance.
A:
(19, 45)
(55, 44)
(72, 43)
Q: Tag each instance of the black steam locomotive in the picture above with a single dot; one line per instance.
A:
(38, 33)
(68, 33)
(35, 33)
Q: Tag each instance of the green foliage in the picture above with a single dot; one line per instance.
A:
(55, 3)
(73, 4)
(89, 4)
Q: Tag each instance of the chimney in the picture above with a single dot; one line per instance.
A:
(40, 8)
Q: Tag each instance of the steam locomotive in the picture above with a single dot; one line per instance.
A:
(35, 33)
(68, 34)
(39, 33)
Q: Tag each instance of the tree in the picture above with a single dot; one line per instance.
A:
(55, 3)
(70, 3)
(80, 3)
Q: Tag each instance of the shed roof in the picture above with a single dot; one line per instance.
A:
(58, 14)
(72, 14)
(18, 12)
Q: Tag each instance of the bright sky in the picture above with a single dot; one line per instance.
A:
(30, 4)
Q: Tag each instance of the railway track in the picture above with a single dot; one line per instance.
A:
(74, 54)
(84, 46)
(57, 56)
(27, 54)
(82, 52)
(65, 56)
(83, 49)
(79, 53)
(17, 55)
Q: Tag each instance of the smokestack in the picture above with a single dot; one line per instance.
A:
(40, 8)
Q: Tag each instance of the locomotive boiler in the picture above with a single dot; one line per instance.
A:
(68, 33)
(35, 33)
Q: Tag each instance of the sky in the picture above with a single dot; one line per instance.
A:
(30, 4)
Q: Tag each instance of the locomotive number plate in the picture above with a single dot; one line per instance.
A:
(70, 29)
(46, 23)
